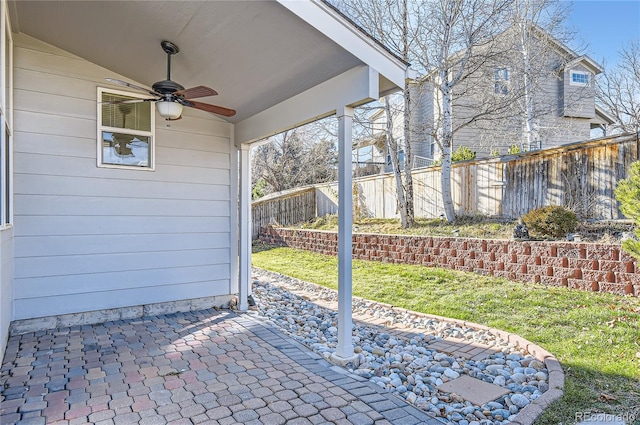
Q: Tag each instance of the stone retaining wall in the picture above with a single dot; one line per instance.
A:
(586, 266)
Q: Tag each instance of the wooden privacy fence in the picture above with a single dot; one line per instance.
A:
(581, 176)
(286, 208)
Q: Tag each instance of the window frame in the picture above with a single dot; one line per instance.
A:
(100, 128)
(401, 159)
(501, 78)
(579, 83)
(6, 119)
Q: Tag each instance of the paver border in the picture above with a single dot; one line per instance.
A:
(392, 407)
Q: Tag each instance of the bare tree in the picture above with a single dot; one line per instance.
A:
(527, 73)
(618, 91)
(454, 40)
(394, 156)
(388, 21)
(407, 203)
(534, 37)
(458, 45)
(293, 158)
(442, 38)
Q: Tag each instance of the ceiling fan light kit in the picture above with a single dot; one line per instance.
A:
(171, 97)
(169, 110)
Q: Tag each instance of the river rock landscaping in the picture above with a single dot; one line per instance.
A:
(407, 367)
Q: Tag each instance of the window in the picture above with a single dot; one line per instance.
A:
(6, 119)
(400, 160)
(7, 176)
(501, 81)
(125, 131)
(579, 78)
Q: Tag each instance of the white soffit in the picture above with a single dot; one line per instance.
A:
(352, 88)
(327, 20)
(255, 54)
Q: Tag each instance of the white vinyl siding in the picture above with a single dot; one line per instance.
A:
(6, 285)
(578, 99)
(91, 238)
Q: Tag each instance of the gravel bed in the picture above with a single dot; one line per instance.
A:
(406, 367)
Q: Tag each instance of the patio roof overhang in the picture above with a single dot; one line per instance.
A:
(278, 63)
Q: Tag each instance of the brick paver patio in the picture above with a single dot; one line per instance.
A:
(209, 367)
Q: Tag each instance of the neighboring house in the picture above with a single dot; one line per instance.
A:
(563, 94)
(110, 212)
(373, 148)
(561, 86)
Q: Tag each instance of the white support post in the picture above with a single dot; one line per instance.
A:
(344, 350)
(245, 231)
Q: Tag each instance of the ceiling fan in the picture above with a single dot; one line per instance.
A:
(170, 96)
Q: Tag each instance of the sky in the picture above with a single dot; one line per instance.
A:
(605, 26)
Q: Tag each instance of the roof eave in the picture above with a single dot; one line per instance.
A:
(595, 67)
(609, 119)
(352, 38)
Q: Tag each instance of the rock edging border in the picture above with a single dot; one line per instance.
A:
(531, 412)
(556, 375)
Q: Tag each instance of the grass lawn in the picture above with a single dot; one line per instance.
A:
(467, 227)
(595, 336)
(472, 227)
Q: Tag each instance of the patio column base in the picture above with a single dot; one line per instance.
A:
(343, 361)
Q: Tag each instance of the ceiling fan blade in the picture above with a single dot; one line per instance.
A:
(133, 86)
(198, 91)
(219, 110)
(118, 102)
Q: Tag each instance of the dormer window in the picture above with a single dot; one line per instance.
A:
(580, 78)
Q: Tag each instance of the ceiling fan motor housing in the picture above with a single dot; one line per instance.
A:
(166, 87)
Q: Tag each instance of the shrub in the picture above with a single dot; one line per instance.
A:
(259, 189)
(513, 149)
(628, 194)
(463, 153)
(552, 221)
